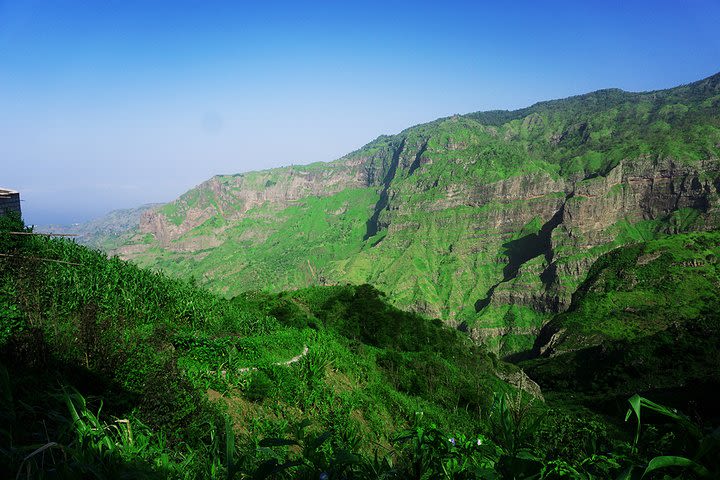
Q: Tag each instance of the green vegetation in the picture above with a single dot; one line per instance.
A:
(576, 236)
(109, 370)
(168, 360)
(703, 445)
(645, 320)
(489, 220)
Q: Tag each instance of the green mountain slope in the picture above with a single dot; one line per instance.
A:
(489, 220)
(647, 319)
(168, 360)
(111, 371)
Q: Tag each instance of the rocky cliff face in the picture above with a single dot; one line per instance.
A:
(232, 197)
(488, 221)
(575, 220)
(671, 197)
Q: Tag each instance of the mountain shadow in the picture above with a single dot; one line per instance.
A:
(524, 249)
(372, 225)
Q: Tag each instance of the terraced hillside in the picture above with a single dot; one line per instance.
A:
(488, 221)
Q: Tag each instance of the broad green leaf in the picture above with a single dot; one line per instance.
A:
(634, 402)
(672, 461)
(318, 441)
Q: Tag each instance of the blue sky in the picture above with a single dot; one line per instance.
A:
(111, 104)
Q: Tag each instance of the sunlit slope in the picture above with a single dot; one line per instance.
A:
(488, 220)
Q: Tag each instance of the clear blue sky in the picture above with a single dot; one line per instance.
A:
(110, 104)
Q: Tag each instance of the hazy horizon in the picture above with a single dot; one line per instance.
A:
(118, 104)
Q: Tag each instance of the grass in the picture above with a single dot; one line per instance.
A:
(151, 348)
(112, 371)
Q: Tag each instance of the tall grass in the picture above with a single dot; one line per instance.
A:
(108, 370)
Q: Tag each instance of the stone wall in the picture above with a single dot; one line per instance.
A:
(9, 201)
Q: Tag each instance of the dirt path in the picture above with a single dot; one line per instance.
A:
(294, 359)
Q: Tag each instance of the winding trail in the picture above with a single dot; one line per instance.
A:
(289, 362)
(294, 359)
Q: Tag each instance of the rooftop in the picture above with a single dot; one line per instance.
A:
(7, 191)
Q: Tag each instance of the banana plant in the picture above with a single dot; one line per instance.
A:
(703, 463)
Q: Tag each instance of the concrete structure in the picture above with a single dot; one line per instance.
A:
(9, 201)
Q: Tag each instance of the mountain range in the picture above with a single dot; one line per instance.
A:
(489, 221)
(560, 263)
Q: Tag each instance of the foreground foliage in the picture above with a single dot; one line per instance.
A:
(111, 371)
